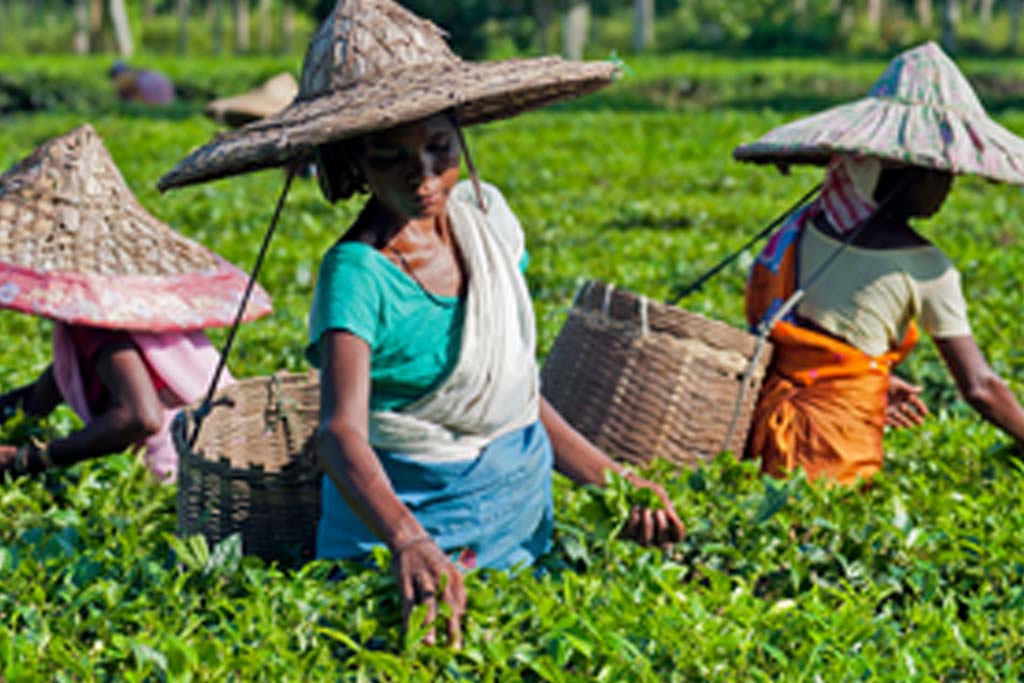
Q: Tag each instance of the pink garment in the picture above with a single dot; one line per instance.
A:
(185, 361)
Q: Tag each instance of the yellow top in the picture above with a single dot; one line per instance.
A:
(868, 297)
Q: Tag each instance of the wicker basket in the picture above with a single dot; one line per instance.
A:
(252, 469)
(644, 380)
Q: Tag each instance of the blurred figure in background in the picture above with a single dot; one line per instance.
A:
(141, 85)
(269, 98)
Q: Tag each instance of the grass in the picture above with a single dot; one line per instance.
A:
(918, 579)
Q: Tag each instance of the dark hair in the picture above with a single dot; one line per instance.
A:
(894, 178)
(117, 68)
(338, 171)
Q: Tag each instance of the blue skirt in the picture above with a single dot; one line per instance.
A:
(498, 505)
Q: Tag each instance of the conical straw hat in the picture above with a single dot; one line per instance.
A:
(373, 65)
(76, 246)
(270, 98)
(922, 111)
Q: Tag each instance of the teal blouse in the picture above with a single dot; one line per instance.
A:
(414, 339)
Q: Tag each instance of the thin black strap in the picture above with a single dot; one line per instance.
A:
(683, 292)
(453, 116)
(207, 404)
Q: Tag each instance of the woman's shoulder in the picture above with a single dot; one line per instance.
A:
(464, 191)
(927, 264)
(351, 260)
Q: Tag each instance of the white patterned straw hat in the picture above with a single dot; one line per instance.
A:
(922, 111)
(373, 65)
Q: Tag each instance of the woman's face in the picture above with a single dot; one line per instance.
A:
(923, 190)
(925, 196)
(411, 169)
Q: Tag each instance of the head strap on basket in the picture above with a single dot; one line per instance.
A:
(453, 116)
(207, 405)
(684, 292)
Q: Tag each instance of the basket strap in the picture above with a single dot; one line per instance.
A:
(478, 189)
(207, 405)
(606, 306)
(279, 404)
(685, 291)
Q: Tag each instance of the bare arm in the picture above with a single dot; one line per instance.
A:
(344, 453)
(584, 463)
(981, 386)
(39, 398)
(133, 414)
(575, 456)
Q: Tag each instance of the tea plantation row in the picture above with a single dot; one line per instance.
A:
(918, 579)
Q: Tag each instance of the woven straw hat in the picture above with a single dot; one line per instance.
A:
(922, 111)
(374, 65)
(269, 98)
(76, 246)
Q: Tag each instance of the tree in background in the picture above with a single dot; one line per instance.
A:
(478, 28)
(950, 18)
(576, 29)
(643, 25)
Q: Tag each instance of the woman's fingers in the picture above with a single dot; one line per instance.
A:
(455, 597)
(662, 527)
(920, 406)
(677, 530)
(633, 524)
(648, 526)
(425, 574)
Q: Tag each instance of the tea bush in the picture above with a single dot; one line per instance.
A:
(917, 579)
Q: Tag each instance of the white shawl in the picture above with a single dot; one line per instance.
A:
(494, 387)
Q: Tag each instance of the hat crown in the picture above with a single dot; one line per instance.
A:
(67, 208)
(927, 76)
(69, 168)
(363, 40)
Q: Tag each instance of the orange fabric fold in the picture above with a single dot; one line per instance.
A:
(822, 406)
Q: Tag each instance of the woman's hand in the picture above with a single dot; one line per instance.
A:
(905, 408)
(423, 572)
(653, 527)
(8, 459)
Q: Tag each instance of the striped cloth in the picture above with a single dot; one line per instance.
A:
(847, 192)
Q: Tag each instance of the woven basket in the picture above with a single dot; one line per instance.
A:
(252, 469)
(643, 380)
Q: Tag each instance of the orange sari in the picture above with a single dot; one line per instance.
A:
(822, 406)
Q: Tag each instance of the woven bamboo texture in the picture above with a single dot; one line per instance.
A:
(252, 469)
(643, 380)
(66, 208)
(373, 65)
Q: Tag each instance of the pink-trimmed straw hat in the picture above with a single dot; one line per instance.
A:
(76, 246)
(922, 111)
